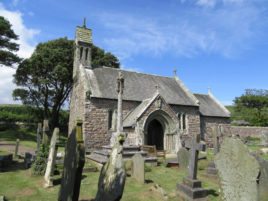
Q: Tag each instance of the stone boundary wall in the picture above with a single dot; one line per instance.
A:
(245, 131)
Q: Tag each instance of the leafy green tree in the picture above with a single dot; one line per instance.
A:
(46, 77)
(7, 44)
(252, 106)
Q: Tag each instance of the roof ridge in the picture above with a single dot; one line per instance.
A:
(119, 69)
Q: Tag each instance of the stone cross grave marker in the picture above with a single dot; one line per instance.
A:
(74, 161)
(138, 168)
(238, 171)
(17, 148)
(191, 188)
(45, 137)
(120, 91)
(51, 158)
(113, 174)
(39, 136)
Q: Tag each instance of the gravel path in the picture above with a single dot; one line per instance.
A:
(10, 147)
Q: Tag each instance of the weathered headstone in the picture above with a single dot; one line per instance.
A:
(138, 168)
(17, 148)
(45, 137)
(28, 160)
(183, 158)
(74, 161)
(238, 171)
(113, 174)
(39, 136)
(51, 159)
(211, 169)
(264, 138)
(262, 179)
(191, 188)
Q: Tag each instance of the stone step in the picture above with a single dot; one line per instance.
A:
(125, 148)
(97, 158)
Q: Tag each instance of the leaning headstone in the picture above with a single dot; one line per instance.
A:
(17, 148)
(74, 161)
(113, 174)
(39, 136)
(51, 159)
(191, 188)
(238, 171)
(183, 158)
(138, 168)
(45, 137)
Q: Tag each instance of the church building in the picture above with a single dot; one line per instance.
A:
(157, 110)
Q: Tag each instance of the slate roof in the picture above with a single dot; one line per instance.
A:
(138, 86)
(132, 116)
(210, 107)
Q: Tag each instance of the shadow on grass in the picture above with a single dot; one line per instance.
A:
(213, 192)
(15, 166)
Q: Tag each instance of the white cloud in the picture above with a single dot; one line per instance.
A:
(26, 35)
(224, 30)
(27, 45)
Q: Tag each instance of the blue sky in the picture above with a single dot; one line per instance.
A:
(221, 44)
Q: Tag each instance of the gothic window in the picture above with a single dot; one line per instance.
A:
(112, 116)
(81, 52)
(86, 53)
(182, 121)
(110, 119)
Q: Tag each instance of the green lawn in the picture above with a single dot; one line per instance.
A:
(30, 188)
(17, 184)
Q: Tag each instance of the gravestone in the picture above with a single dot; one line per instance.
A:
(113, 174)
(138, 168)
(51, 159)
(191, 188)
(17, 148)
(39, 136)
(262, 180)
(183, 157)
(74, 161)
(211, 169)
(45, 138)
(238, 171)
(264, 138)
(28, 160)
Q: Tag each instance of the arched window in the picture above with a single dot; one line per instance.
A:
(86, 53)
(81, 52)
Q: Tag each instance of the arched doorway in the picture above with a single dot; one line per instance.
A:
(155, 134)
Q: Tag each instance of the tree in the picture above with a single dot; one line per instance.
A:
(7, 46)
(252, 106)
(46, 77)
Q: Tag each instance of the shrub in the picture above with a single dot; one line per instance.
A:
(39, 165)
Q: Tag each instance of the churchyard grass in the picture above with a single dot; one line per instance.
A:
(29, 188)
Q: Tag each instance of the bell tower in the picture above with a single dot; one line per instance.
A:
(83, 44)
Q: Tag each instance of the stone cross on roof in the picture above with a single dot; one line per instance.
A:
(195, 146)
(175, 72)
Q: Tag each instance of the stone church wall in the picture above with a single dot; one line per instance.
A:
(96, 129)
(192, 119)
(77, 104)
(206, 127)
